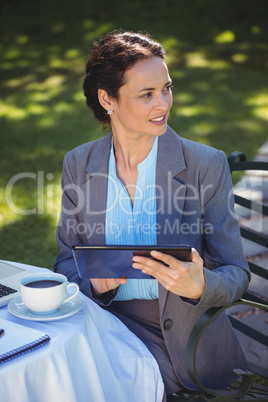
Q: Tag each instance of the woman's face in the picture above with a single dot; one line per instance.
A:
(144, 100)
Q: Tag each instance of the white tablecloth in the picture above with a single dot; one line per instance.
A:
(92, 357)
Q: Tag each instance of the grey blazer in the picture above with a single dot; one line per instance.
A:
(194, 206)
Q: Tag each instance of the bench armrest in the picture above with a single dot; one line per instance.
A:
(192, 347)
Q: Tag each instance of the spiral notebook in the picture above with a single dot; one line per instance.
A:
(19, 340)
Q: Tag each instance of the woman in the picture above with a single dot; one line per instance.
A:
(143, 184)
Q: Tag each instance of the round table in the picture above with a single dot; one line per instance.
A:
(91, 357)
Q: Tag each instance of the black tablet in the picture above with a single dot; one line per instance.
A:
(116, 261)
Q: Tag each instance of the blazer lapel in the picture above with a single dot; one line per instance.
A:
(95, 188)
(170, 192)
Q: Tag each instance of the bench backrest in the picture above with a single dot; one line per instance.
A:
(252, 215)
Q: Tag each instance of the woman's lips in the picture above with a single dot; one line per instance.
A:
(159, 120)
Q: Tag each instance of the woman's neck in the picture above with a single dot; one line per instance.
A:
(130, 152)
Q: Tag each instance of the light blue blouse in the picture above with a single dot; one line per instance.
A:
(133, 225)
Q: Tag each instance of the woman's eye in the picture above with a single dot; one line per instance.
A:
(147, 95)
(168, 89)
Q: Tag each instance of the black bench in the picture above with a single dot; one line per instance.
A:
(253, 384)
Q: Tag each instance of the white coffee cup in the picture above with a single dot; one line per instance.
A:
(44, 293)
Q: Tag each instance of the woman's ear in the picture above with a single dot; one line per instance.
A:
(104, 99)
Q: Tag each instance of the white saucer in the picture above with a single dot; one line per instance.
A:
(17, 308)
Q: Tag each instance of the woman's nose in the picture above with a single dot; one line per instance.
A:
(162, 102)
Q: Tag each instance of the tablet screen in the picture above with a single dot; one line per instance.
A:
(116, 261)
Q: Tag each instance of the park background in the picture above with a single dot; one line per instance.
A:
(217, 53)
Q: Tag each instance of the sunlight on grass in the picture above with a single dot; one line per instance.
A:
(196, 60)
(12, 112)
(239, 58)
(22, 39)
(79, 96)
(259, 103)
(183, 97)
(45, 198)
(225, 37)
(171, 46)
(36, 109)
(189, 111)
(219, 65)
(250, 126)
(199, 60)
(17, 82)
(202, 129)
(41, 96)
(37, 106)
(12, 53)
(46, 121)
(201, 86)
(7, 216)
(72, 54)
(31, 240)
(99, 31)
(57, 62)
(261, 112)
(54, 81)
(177, 73)
(258, 99)
(63, 107)
(52, 84)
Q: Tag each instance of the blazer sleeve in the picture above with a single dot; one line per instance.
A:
(226, 270)
(67, 234)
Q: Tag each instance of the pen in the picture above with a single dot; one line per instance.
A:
(2, 331)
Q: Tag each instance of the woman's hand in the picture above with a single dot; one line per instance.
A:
(185, 279)
(101, 285)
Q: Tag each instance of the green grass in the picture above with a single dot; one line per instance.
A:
(217, 56)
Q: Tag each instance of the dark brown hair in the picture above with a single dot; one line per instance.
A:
(111, 57)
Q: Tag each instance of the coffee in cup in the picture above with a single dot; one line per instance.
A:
(44, 293)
